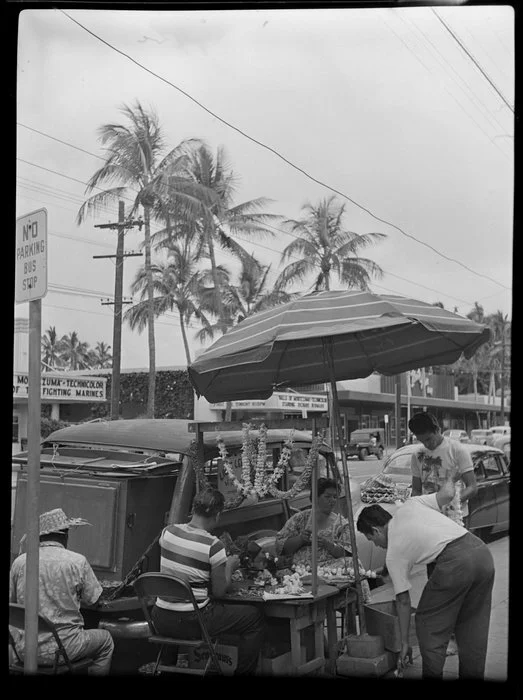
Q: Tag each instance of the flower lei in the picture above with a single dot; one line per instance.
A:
(301, 483)
(254, 458)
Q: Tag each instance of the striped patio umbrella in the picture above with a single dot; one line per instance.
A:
(367, 333)
(328, 337)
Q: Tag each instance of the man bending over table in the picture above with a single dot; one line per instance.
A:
(456, 598)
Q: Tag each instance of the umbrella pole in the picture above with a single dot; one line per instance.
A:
(314, 534)
(355, 560)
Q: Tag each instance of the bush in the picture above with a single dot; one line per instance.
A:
(49, 425)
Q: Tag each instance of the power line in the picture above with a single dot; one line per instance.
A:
(277, 154)
(487, 112)
(447, 91)
(259, 245)
(473, 60)
(266, 224)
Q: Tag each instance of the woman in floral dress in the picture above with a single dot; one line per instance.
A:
(294, 539)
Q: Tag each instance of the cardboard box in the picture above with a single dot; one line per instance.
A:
(278, 665)
(382, 620)
(364, 646)
(374, 668)
(227, 658)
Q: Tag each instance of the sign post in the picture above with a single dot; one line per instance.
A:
(31, 286)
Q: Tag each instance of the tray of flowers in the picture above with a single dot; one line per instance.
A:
(290, 587)
(332, 573)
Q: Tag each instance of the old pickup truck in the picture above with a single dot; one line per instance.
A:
(366, 441)
(129, 478)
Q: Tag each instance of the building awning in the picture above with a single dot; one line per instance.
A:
(428, 401)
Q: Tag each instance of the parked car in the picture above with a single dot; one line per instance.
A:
(479, 436)
(503, 443)
(460, 435)
(488, 509)
(364, 442)
(497, 431)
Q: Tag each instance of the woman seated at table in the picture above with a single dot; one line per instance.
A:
(294, 539)
(190, 551)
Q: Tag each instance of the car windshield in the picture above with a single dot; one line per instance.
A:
(399, 464)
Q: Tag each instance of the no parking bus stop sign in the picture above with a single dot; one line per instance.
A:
(31, 256)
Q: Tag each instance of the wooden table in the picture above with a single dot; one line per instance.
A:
(301, 613)
(347, 598)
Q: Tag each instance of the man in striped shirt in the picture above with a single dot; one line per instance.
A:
(190, 551)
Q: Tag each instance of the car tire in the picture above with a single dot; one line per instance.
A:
(362, 453)
(379, 453)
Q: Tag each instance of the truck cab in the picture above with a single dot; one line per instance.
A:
(366, 441)
(130, 478)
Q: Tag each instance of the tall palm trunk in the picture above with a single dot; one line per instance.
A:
(219, 304)
(216, 282)
(150, 314)
(184, 337)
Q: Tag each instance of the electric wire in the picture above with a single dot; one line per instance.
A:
(271, 250)
(267, 225)
(276, 153)
(473, 60)
(488, 114)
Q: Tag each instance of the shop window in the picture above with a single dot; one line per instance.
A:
(365, 421)
(16, 428)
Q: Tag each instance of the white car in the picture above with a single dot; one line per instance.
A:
(460, 435)
(497, 432)
(488, 509)
(480, 436)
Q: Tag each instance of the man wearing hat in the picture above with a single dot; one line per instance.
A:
(66, 580)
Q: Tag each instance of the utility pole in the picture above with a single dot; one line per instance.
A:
(502, 417)
(118, 302)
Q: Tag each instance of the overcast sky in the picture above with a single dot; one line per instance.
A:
(383, 105)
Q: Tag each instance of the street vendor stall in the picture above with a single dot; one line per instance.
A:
(326, 337)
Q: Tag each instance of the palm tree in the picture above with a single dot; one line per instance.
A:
(324, 247)
(251, 295)
(51, 348)
(177, 283)
(74, 352)
(152, 181)
(101, 356)
(223, 219)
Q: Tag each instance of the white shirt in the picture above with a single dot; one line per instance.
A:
(417, 533)
(434, 467)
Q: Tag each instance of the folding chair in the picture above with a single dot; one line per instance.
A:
(17, 620)
(151, 585)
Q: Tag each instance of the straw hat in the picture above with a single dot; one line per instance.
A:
(55, 521)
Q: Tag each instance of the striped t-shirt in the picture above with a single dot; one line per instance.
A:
(190, 553)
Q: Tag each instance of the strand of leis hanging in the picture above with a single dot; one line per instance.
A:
(244, 486)
(257, 458)
(259, 473)
(304, 479)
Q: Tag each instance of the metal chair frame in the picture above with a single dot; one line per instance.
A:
(151, 585)
(17, 620)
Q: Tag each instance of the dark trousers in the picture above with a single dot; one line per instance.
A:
(241, 625)
(457, 598)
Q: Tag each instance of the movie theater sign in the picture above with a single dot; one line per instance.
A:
(62, 388)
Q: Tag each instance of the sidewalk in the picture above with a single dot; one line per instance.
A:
(497, 653)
